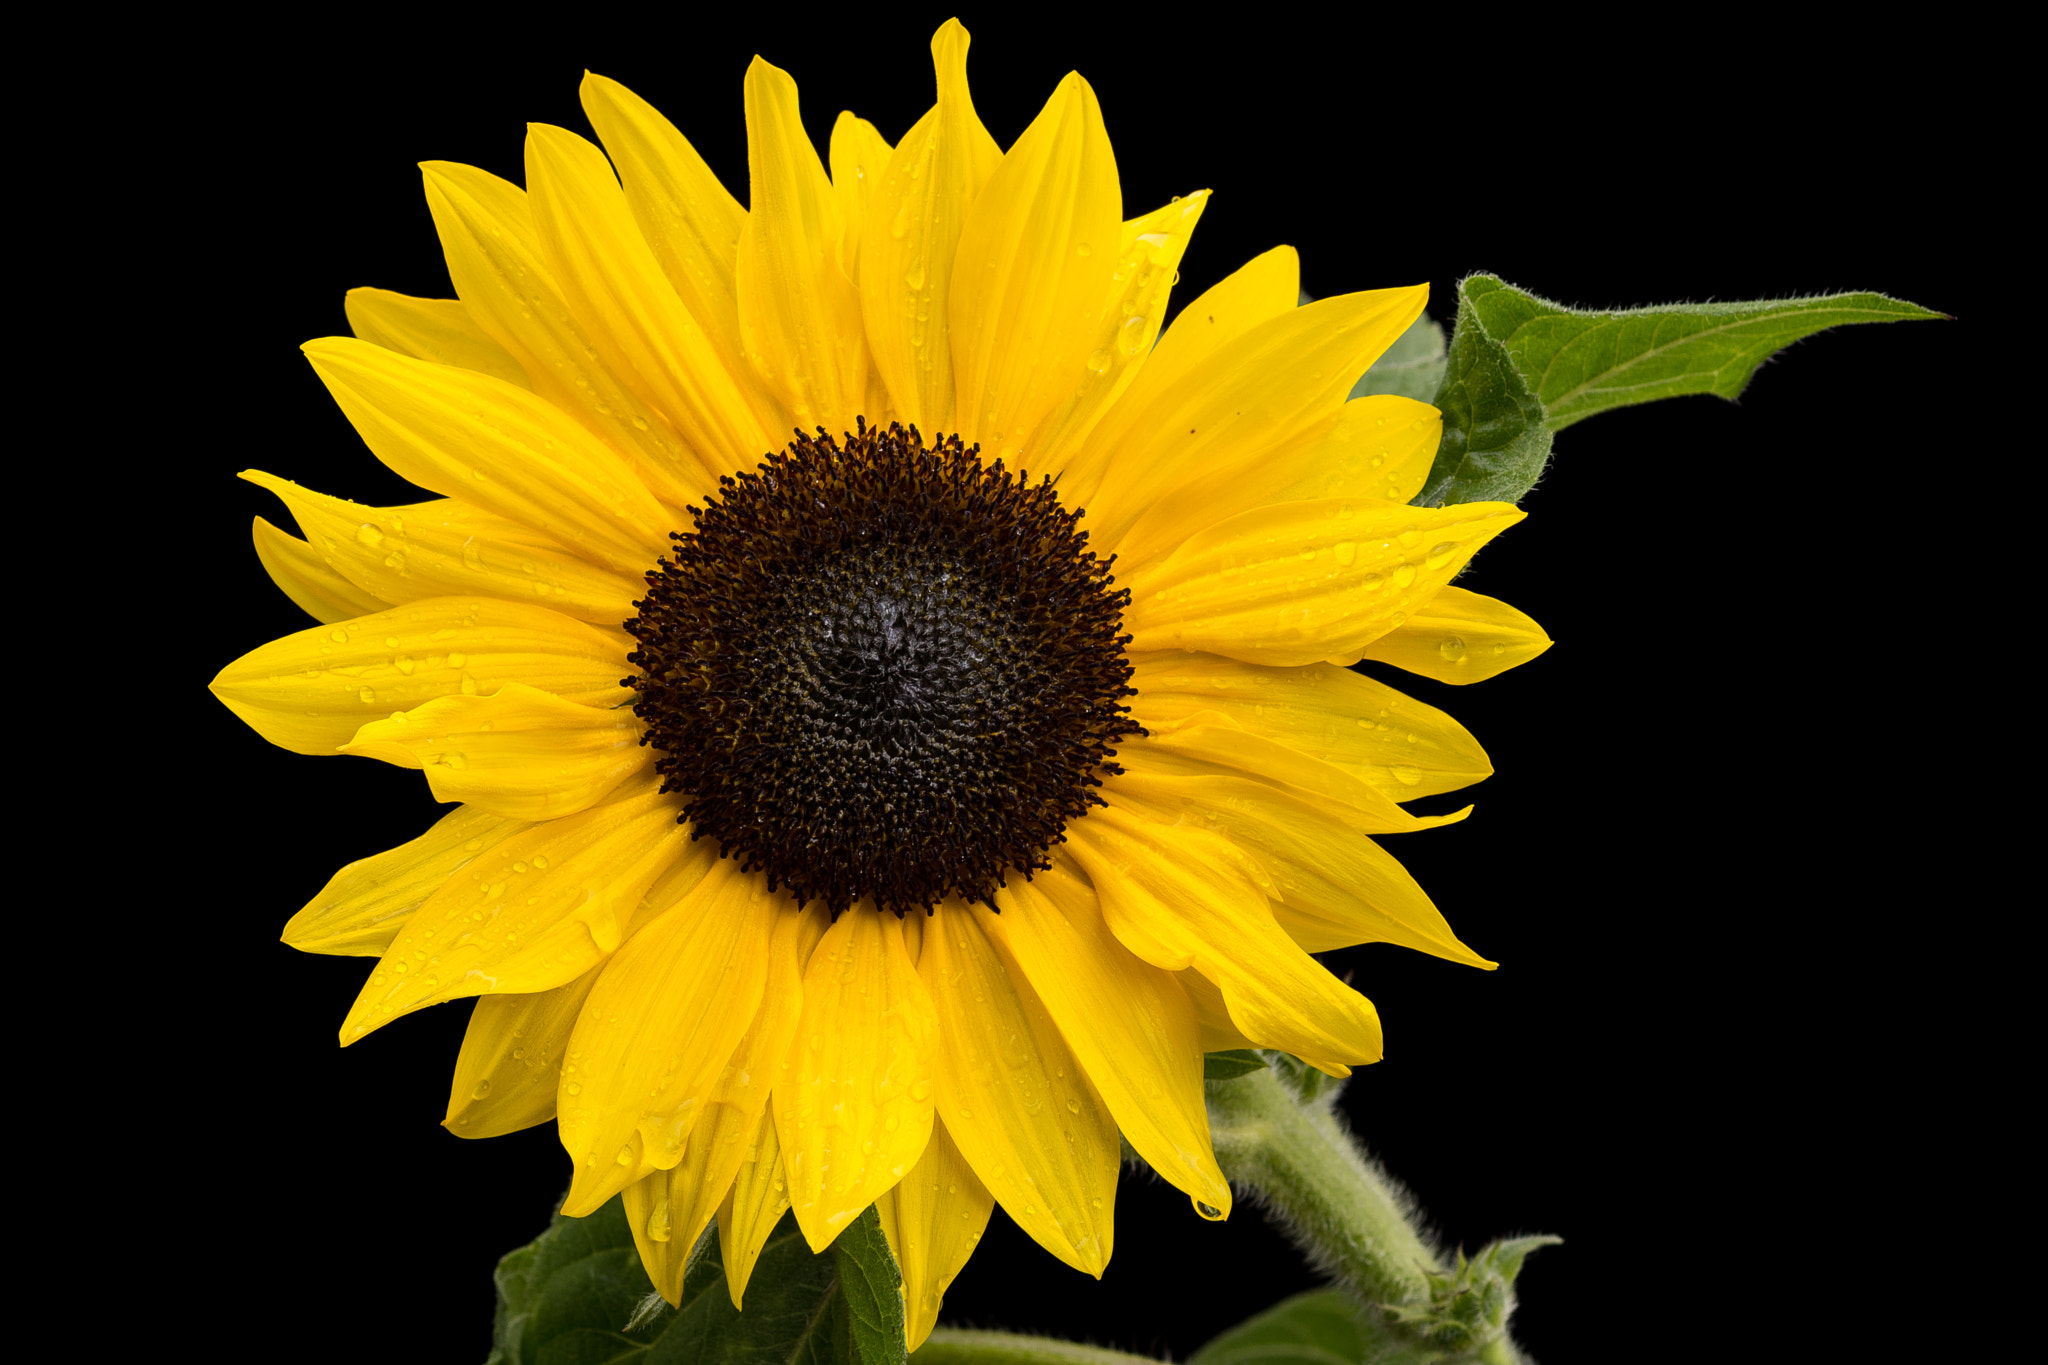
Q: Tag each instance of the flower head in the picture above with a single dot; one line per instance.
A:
(895, 699)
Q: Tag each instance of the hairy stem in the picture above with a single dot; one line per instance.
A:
(1338, 1206)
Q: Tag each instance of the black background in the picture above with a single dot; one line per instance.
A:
(1698, 864)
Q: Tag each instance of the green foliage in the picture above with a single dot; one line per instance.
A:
(1522, 368)
(1580, 363)
(1469, 1308)
(873, 1290)
(1413, 367)
(1495, 440)
(577, 1295)
(1223, 1066)
(1321, 1327)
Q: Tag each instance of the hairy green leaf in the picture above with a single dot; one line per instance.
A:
(1579, 363)
(576, 1296)
(1522, 368)
(1321, 1327)
(1413, 367)
(1495, 440)
(564, 1298)
(873, 1288)
(795, 1314)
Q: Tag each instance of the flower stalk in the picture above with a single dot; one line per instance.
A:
(1288, 1147)
(1277, 1134)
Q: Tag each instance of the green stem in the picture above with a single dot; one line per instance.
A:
(1343, 1211)
(949, 1346)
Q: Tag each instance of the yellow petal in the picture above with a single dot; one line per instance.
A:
(661, 1026)
(682, 1202)
(690, 221)
(1015, 1097)
(1296, 582)
(439, 330)
(1219, 1032)
(1127, 325)
(1217, 756)
(799, 319)
(532, 913)
(298, 569)
(617, 291)
(362, 907)
(1129, 1024)
(1182, 897)
(510, 1065)
(1381, 446)
(442, 549)
(1035, 260)
(1398, 744)
(1461, 637)
(1265, 287)
(650, 1216)
(854, 1109)
(755, 1204)
(859, 154)
(1278, 383)
(519, 753)
(311, 691)
(933, 1220)
(494, 256)
(1363, 450)
(1329, 887)
(911, 235)
(465, 435)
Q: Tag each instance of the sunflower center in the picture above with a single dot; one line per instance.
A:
(881, 670)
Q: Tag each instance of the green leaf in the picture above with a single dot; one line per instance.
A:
(1413, 367)
(1495, 440)
(1223, 1066)
(1522, 368)
(873, 1288)
(1579, 363)
(565, 1298)
(795, 1313)
(572, 1296)
(1321, 1327)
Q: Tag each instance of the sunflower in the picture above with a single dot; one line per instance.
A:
(841, 817)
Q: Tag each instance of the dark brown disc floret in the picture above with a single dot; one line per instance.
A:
(883, 670)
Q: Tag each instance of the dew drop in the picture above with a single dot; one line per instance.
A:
(367, 694)
(369, 535)
(483, 1088)
(1098, 360)
(1453, 649)
(1346, 551)
(1407, 774)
